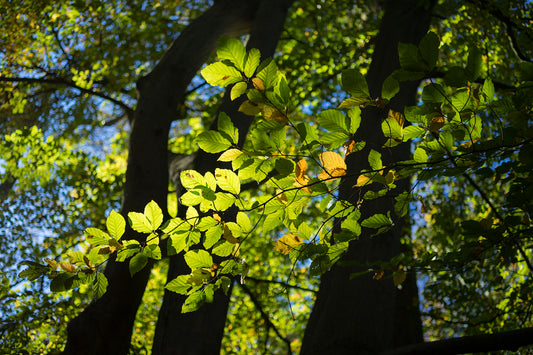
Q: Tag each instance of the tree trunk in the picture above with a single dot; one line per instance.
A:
(365, 316)
(201, 332)
(105, 326)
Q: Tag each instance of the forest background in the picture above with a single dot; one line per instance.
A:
(366, 190)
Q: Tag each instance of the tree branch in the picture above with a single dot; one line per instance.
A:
(511, 340)
(265, 316)
(281, 283)
(65, 82)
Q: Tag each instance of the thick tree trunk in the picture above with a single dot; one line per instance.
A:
(201, 332)
(105, 326)
(365, 316)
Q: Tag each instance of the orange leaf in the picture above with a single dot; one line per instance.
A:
(258, 84)
(301, 178)
(397, 116)
(362, 180)
(334, 165)
(287, 243)
(348, 146)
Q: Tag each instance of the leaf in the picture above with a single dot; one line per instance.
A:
(354, 83)
(67, 267)
(233, 50)
(228, 235)
(238, 90)
(429, 49)
(196, 259)
(223, 201)
(362, 180)
(252, 62)
(227, 180)
(250, 108)
(230, 155)
(333, 164)
(332, 120)
(193, 302)
(488, 90)
(256, 96)
(116, 225)
(139, 222)
(287, 243)
(474, 64)
(225, 125)
(153, 212)
(354, 117)
(374, 159)
(99, 285)
(355, 101)
(433, 93)
(437, 122)
(180, 284)
(219, 74)
(390, 88)
(96, 236)
(377, 221)
(408, 54)
(212, 142)
(284, 166)
(137, 263)
(273, 114)
(192, 216)
(398, 277)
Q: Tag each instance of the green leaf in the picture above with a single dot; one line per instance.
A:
(474, 64)
(139, 222)
(192, 216)
(96, 236)
(390, 88)
(99, 285)
(212, 236)
(354, 83)
(197, 259)
(411, 132)
(374, 159)
(180, 284)
(238, 90)
(233, 50)
(273, 220)
(284, 166)
(223, 201)
(398, 277)
(269, 75)
(420, 155)
(377, 221)
(176, 243)
(332, 120)
(488, 90)
(334, 139)
(354, 117)
(227, 180)
(252, 62)
(131, 247)
(361, 100)
(62, 282)
(191, 179)
(116, 224)
(192, 198)
(223, 248)
(153, 212)
(212, 142)
(408, 54)
(137, 263)
(219, 74)
(391, 128)
(225, 125)
(193, 302)
(433, 93)
(244, 222)
(429, 49)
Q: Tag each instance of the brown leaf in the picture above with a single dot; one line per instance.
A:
(67, 267)
(258, 84)
(437, 123)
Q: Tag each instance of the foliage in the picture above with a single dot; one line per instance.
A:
(471, 172)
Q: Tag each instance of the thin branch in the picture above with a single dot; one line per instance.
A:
(265, 316)
(281, 283)
(61, 81)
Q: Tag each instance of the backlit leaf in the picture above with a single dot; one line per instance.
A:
(116, 224)
(333, 164)
(287, 243)
(219, 74)
(137, 263)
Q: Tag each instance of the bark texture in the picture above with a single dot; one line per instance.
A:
(201, 332)
(105, 326)
(362, 315)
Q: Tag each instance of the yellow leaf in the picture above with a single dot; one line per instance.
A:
(362, 180)
(273, 114)
(378, 274)
(436, 123)
(51, 263)
(397, 116)
(230, 155)
(390, 177)
(301, 178)
(250, 108)
(217, 217)
(333, 164)
(287, 243)
(348, 146)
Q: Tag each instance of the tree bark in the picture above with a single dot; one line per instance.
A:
(365, 316)
(105, 326)
(201, 332)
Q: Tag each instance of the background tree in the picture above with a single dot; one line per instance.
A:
(69, 84)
